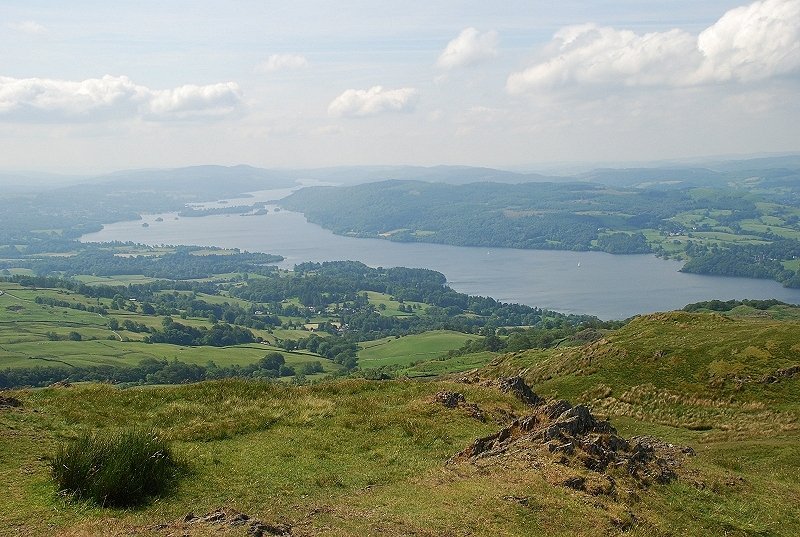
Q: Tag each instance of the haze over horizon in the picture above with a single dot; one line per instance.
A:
(90, 87)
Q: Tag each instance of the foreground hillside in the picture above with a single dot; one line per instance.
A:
(719, 398)
(696, 371)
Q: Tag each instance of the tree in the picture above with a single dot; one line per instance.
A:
(273, 360)
(309, 368)
(286, 371)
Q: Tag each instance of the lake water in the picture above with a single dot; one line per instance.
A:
(609, 286)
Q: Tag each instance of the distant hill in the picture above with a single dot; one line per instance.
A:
(349, 175)
(241, 178)
(656, 177)
(785, 161)
(206, 182)
(25, 182)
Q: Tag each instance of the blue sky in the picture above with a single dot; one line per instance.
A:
(96, 86)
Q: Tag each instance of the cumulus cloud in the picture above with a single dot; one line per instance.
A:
(283, 62)
(468, 48)
(752, 42)
(50, 100)
(749, 43)
(191, 101)
(371, 102)
(28, 27)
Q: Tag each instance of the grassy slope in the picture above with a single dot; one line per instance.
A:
(129, 353)
(348, 450)
(696, 379)
(448, 365)
(407, 349)
(694, 355)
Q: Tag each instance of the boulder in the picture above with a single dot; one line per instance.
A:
(10, 402)
(450, 399)
(457, 400)
(518, 387)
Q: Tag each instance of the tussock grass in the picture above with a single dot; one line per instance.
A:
(120, 469)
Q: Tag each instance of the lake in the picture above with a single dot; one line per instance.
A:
(605, 285)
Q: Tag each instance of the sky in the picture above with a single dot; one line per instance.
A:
(95, 86)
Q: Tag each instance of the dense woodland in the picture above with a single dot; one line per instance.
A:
(748, 260)
(183, 264)
(530, 215)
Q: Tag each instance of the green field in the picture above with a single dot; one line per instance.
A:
(128, 353)
(23, 320)
(406, 350)
(221, 299)
(759, 226)
(390, 307)
(446, 366)
(122, 279)
(17, 272)
(25, 327)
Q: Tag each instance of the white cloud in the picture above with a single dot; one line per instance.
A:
(748, 43)
(468, 48)
(192, 101)
(374, 101)
(282, 62)
(50, 100)
(28, 27)
(752, 42)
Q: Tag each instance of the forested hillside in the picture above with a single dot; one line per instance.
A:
(750, 230)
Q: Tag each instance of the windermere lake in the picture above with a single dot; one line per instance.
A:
(609, 286)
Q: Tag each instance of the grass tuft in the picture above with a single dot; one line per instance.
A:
(120, 469)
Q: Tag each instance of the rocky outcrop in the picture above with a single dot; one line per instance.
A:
(517, 387)
(781, 374)
(9, 402)
(573, 436)
(219, 520)
(454, 400)
(450, 399)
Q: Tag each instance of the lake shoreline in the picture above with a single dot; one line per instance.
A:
(596, 283)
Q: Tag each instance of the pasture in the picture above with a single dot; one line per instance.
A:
(406, 350)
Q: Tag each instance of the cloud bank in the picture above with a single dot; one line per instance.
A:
(51, 100)
(468, 48)
(372, 102)
(283, 62)
(28, 27)
(749, 43)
